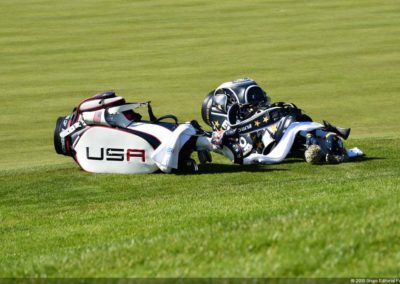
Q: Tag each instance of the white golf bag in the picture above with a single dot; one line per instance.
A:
(104, 135)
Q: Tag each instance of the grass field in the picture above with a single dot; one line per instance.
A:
(338, 60)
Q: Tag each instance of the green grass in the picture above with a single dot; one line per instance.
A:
(339, 60)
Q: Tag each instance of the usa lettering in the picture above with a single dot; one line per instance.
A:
(115, 154)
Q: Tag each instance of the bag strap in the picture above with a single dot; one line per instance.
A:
(74, 127)
(129, 106)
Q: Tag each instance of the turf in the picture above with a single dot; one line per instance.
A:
(339, 60)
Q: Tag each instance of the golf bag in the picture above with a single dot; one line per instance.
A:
(104, 134)
(257, 131)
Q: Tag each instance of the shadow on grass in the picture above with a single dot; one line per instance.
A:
(352, 160)
(364, 159)
(292, 161)
(224, 168)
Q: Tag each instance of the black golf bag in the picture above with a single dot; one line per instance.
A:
(244, 112)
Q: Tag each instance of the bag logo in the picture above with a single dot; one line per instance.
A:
(116, 154)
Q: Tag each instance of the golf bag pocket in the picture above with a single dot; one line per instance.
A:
(102, 149)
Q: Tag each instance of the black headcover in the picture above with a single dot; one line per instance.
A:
(244, 93)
